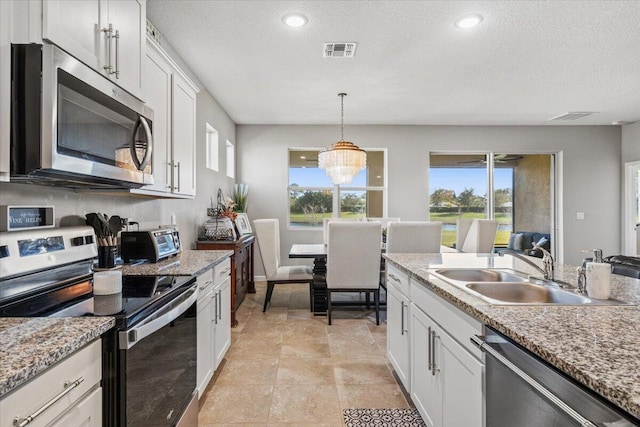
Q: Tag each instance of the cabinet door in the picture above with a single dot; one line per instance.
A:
(75, 26)
(461, 386)
(223, 326)
(5, 87)
(129, 19)
(398, 334)
(184, 137)
(157, 93)
(205, 361)
(426, 386)
(86, 413)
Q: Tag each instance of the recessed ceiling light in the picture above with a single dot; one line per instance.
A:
(468, 21)
(295, 20)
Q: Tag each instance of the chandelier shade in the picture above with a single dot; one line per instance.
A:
(343, 160)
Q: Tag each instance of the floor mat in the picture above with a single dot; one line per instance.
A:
(401, 417)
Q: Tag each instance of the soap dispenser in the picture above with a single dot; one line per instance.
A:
(598, 276)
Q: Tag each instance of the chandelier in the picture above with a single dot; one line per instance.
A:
(343, 160)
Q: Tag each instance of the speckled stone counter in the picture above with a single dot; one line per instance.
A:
(599, 346)
(186, 263)
(29, 346)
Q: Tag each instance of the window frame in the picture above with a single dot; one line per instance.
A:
(336, 189)
(230, 157)
(212, 148)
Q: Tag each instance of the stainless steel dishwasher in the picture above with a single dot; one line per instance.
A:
(522, 390)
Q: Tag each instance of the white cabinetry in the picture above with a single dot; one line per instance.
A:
(214, 321)
(398, 323)
(172, 96)
(107, 35)
(6, 9)
(445, 370)
(78, 375)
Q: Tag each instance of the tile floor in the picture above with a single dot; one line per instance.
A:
(287, 367)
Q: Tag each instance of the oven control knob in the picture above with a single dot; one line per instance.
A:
(77, 241)
(4, 251)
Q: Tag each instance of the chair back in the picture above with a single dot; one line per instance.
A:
(326, 221)
(462, 229)
(481, 236)
(268, 236)
(353, 255)
(414, 237)
(384, 221)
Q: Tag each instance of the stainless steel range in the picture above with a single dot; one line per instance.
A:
(149, 358)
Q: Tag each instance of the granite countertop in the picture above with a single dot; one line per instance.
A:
(596, 345)
(28, 346)
(186, 263)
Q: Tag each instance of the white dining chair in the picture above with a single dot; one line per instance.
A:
(480, 237)
(268, 236)
(384, 221)
(326, 221)
(462, 229)
(414, 237)
(353, 260)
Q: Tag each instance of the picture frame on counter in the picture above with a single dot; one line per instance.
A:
(243, 224)
(16, 218)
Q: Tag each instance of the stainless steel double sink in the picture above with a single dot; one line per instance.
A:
(510, 287)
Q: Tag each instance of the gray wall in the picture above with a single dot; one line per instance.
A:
(591, 170)
(631, 142)
(71, 206)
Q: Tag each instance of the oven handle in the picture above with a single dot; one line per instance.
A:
(555, 400)
(175, 309)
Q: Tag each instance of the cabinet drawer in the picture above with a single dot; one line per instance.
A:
(458, 324)
(221, 271)
(34, 394)
(205, 284)
(397, 278)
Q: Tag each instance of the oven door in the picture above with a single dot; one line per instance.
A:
(158, 364)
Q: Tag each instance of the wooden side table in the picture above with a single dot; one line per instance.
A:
(242, 281)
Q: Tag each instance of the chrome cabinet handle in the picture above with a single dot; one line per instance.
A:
(177, 165)
(433, 352)
(226, 270)
(429, 347)
(394, 278)
(551, 397)
(117, 37)
(169, 166)
(402, 329)
(109, 32)
(215, 304)
(68, 385)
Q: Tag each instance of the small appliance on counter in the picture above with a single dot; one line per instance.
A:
(149, 245)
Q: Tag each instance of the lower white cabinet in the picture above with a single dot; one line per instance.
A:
(398, 333)
(446, 378)
(43, 397)
(213, 321)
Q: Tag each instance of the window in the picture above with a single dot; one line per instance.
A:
(212, 148)
(231, 160)
(312, 195)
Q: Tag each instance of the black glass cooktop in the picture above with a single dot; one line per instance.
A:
(140, 295)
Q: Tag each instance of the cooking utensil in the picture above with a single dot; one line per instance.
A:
(115, 225)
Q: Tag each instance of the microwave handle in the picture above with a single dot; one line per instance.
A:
(149, 149)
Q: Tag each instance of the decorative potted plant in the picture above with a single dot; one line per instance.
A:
(239, 197)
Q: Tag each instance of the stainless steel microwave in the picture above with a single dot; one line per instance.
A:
(73, 127)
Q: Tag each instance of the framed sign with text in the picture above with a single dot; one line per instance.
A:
(14, 218)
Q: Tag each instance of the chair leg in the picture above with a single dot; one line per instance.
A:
(267, 297)
(311, 296)
(367, 298)
(329, 306)
(376, 296)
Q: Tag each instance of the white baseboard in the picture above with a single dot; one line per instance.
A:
(260, 278)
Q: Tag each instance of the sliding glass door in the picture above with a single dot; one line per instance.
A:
(514, 189)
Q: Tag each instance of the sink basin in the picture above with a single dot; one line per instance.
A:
(531, 294)
(480, 275)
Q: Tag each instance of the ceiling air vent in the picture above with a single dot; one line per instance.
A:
(339, 50)
(573, 115)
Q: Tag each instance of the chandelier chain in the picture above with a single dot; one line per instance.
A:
(342, 95)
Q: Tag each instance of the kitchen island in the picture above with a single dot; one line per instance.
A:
(595, 345)
(28, 346)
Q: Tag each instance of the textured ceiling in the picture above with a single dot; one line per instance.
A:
(527, 62)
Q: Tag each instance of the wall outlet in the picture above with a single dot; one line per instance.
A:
(173, 219)
(579, 215)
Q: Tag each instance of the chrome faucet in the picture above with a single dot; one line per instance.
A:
(547, 260)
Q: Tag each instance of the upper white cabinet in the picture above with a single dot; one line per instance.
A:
(107, 35)
(5, 86)
(172, 97)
